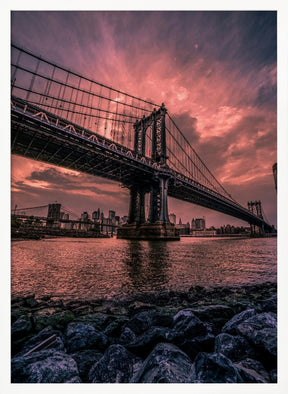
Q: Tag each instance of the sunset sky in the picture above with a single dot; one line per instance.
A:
(215, 71)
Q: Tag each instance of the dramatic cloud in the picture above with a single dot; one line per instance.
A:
(216, 73)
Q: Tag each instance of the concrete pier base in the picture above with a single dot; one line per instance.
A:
(149, 231)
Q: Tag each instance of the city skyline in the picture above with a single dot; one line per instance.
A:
(222, 97)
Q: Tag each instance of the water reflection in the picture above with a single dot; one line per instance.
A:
(147, 264)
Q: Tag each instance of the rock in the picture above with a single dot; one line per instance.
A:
(144, 343)
(231, 325)
(212, 312)
(47, 332)
(233, 347)
(116, 366)
(252, 371)
(48, 366)
(115, 327)
(21, 327)
(186, 322)
(85, 359)
(127, 336)
(269, 305)
(144, 320)
(30, 301)
(261, 330)
(98, 320)
(165, 364)
(55, 317)
(84, 336)
(193, 346)
(214, 368)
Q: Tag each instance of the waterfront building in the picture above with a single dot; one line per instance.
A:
(172, 218)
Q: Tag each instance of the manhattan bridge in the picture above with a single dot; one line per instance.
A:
(63, 118)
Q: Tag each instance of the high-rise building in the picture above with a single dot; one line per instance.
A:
(274, 168)
(111, 215)
(96, 214)
(193, 224)
(200, 224)
(84, 216)
(172, 218)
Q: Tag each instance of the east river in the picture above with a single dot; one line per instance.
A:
(92, 268)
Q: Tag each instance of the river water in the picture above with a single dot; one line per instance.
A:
(92, 268)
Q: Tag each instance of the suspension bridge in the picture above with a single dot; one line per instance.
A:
(63, 118)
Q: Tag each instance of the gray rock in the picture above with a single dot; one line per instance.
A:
(269, 305)
(261, 330)
(144, 320)
(127, 336)
(233, 347)
(21, 327)
(44, 334)
(186, 322)
(193, 346)
(165, 364)
(84, 336)
(214, 368)
(252, 371)
(214, 313)
(47, 366)
(116, 366)
(85, 359)
(144, 343)
(115, 327)
(231, 326)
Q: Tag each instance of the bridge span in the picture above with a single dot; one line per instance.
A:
(74, 122)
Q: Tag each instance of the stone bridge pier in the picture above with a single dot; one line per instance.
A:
(157, 225)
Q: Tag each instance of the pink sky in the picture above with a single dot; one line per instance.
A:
(216, 73)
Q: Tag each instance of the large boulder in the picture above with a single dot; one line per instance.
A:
(187, 323)
(144, 343)
(165, 364)
(84, 336)
(195, 345)
(48, 366)
(116, 366)
(269, 305)
(231, 326)
(214, 368)
(261, 331)
(57, 344)
(127, 336)
(252, 371)
(21, 327)
(55, 317)
(218, 314)
(85, 359)
(233, 347)
(144, 320)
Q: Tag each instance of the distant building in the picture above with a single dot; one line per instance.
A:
(84, 216)
(96, 215)
(193, 224)
(198, 224)
(172, 218)
(184, 229)
(274, 168)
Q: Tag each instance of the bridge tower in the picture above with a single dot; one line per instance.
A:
(158, 225)
(255, 207)
(53, 215)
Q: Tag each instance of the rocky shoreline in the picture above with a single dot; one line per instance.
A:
(216, 335)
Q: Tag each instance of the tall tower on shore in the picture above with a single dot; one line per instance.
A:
(274, 168)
